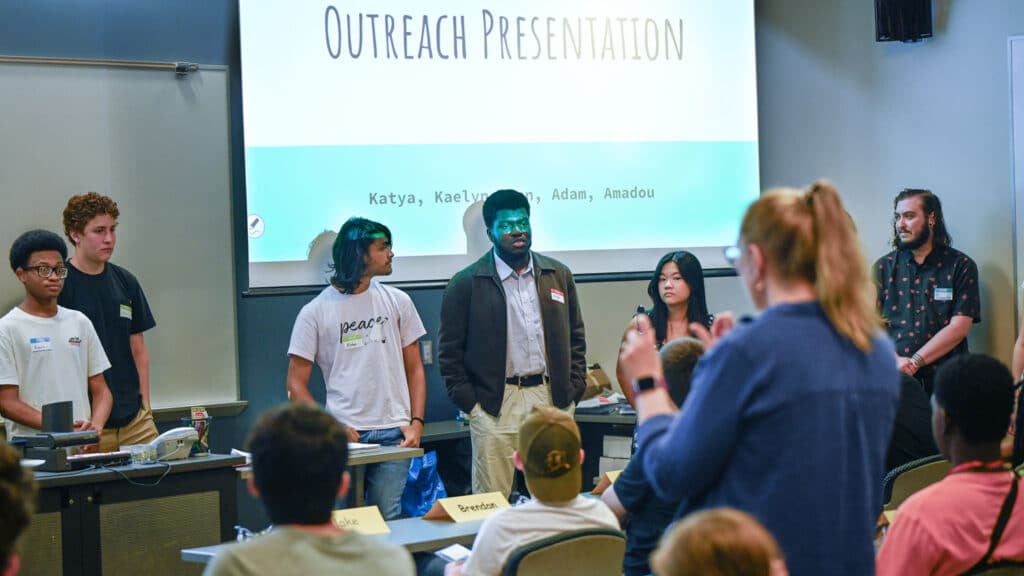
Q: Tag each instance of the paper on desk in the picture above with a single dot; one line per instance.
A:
(359, 447)
(453, 553)
(248, 456)
(596, 401)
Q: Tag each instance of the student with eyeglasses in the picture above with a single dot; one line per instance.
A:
(48, 353)
(113, 300)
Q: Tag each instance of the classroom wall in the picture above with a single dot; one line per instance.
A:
(879, 117)
(872, 117)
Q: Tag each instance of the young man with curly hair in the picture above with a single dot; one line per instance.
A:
(113, 300)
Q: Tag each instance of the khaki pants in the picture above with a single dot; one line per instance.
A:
(141, 430)
(495, 439)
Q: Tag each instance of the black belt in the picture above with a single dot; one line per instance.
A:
(526, 381)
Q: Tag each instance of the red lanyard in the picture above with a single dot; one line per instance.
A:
(979, 466)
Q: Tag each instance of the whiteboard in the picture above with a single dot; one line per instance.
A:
(160, 147)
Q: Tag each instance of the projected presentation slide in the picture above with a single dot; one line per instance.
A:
(630, 126)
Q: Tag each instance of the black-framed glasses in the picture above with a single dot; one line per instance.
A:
(732, 255)
(47, 271)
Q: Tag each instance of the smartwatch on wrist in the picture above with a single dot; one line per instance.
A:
(645, 384)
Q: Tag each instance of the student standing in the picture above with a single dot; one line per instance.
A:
(364, 336)
(793, 410)
(47, 352)
(511, 338)
(112, 298)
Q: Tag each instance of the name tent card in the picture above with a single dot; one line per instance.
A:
(607, 479)
(365, 520)
(466, 508)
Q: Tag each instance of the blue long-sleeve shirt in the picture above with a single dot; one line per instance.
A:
(788, 421)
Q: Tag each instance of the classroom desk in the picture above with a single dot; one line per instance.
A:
(444, 430)
(453, 429)
(593, 429)
(130, 519)
(357, 464)
(415, 534)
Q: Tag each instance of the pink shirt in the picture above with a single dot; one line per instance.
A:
(946, 528)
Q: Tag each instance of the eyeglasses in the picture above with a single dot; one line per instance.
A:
(509, 226)
(47, 271)
(732, 255)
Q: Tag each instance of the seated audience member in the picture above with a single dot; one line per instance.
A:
(718, 542)
(631, 498)
(17, 493)
(678, 298)
(299, 454)
(950, 526)
(912, 432)
(790, 415)
(48, 353)
(550, 458)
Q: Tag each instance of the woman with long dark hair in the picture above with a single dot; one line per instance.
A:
(677, 293)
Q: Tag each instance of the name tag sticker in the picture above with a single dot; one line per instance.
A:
(41, 344)
(464, 508)
(943, 294)
(126, 311)
(557, 296)
(365, 520)
(352, 341)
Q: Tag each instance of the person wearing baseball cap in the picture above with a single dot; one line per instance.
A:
(550, 457)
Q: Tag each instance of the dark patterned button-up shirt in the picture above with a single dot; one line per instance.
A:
(918, 300)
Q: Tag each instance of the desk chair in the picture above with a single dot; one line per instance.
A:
(593, 552)
(901, 482)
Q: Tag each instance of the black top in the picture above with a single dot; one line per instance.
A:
(912, 434)
(650, 516)
(918, 300)
(114, 302)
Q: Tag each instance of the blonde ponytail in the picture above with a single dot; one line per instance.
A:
(809, 236)
(843, 286)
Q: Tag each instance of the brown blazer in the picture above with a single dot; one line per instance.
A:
(472, 339)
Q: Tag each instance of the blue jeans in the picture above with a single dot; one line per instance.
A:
(385, 481)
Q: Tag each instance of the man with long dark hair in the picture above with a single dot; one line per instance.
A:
(364, 336)
(511, 338)
(927, 290)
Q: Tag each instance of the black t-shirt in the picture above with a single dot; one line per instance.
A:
(650, 516)
(114, 302)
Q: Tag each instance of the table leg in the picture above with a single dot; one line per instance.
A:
(359, 498)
